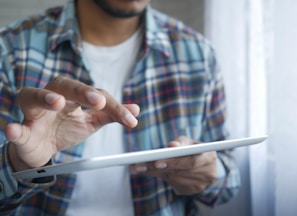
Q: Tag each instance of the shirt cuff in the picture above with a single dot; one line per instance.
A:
(8, 184)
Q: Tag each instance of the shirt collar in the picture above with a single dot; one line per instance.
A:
(156, 34)
(66, 29)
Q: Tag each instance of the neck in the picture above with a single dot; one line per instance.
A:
(101, 29)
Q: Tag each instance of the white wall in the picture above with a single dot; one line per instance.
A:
(10, 10)
(273, 176)
(226, 27)
(190, 11)
(282, 107)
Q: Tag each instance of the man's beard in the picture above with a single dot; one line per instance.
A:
(118, 13)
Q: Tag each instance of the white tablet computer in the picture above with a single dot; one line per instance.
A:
(135, 157)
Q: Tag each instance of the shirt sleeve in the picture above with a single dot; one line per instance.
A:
(8, 185)
(228, 182)
(14, 191)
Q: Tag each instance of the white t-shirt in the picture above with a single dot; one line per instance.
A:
(106, 191)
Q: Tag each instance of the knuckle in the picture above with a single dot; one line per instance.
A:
(78, 90)
(102, 91)
(27, 93)
(54, 82)
(58, 79)
(23, 91)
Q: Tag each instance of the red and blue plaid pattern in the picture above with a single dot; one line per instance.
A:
(175, 82)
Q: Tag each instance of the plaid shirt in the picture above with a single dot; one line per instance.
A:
(175, 82)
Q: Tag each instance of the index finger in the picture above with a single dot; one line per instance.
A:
(97, 99)
(78, 92)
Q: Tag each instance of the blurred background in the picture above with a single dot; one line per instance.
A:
(256, 47)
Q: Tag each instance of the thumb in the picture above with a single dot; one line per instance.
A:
(181, 141)
(17, 134)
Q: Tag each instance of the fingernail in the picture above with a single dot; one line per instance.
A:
(130, 119)
(51, 98)
(175, 143)
(161, 165)
(141, 169)
(93, 97)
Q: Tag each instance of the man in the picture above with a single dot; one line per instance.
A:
(67, 74)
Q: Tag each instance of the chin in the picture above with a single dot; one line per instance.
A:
(123, 8)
